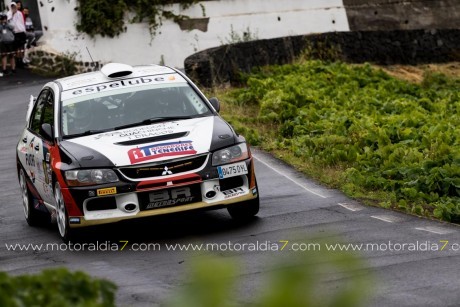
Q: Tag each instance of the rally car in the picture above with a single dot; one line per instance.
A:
(129, 142)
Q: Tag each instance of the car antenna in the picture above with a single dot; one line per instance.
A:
(92, 61)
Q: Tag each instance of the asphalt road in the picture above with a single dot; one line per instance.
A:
(291, 207)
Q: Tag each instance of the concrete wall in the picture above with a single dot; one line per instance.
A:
(224, 64)
(365, 15)
(264, 19)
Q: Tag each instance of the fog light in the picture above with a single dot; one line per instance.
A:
(130, 207)
(210, 194)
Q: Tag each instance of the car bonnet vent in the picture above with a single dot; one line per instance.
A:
(116, 70)
(154, 139)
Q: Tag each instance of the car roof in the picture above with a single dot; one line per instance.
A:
(91, 78)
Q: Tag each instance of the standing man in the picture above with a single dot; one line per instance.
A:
(16, 19)
(6, 45)
(30, 34)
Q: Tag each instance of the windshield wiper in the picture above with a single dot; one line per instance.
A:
(87, 132)
(153, 120)
(147, 121)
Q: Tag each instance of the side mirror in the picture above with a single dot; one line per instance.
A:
(215, 103)
(47, 132)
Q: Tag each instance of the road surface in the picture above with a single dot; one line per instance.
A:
(291, 206)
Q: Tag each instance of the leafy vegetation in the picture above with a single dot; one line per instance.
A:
(381, 139)
(234, 37)
(56, 287)
(107, 17)
(295, 281)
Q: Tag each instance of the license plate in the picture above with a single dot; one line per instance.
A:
(170, 197)
(232, 170)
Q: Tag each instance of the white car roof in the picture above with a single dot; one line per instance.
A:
(97, 77)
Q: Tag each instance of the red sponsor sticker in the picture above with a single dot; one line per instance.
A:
(152, 152)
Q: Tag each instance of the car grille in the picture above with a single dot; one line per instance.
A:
(101, 203)
(164, 168)
(231, 183)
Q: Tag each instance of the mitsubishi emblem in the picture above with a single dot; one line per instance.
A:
(166, 171)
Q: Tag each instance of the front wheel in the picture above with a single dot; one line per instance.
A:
(33, 216)
(62, 218)
(244, 210)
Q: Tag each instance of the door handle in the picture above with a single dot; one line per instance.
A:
(24, 140)
(37, 148)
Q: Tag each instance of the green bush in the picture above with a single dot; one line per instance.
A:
(397, 137)
(107, 17)
(55, 287)
(292, 280)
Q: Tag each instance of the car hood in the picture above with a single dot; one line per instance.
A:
(154, 143)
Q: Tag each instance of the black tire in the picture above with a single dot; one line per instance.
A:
(245, 210)
(33, 217)
(62, 218)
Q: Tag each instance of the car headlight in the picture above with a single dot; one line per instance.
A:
(230, 154)
(90, 177)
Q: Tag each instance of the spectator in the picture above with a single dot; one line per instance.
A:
(7, 48)
(16, 19)
(30, 33)
(20, 8)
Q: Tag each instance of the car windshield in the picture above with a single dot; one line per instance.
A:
(122, 108)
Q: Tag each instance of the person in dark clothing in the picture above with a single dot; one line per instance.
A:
(7, 45)
(30, 33)
(16, 19)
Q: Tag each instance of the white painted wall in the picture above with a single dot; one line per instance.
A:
(174, 45)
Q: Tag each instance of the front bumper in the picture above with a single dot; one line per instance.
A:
(178, 193)
(106, 218)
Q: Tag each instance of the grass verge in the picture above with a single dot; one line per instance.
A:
(380, 139)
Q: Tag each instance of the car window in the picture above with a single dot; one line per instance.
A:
(110, 109)
(37, 112)
(48, 110)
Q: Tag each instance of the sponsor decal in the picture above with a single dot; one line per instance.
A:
(31, 144)
(74, 220)
(38, 166)
(140, 132)
(46, 164)
(23, 149)
(126, 83)
(155, 151)
(91, 193)
(233, 193)
(46, 173)
(172, 197)
(117, 84)
(106, 191)
(30, 160)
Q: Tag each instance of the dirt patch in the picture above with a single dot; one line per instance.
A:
(416, 73)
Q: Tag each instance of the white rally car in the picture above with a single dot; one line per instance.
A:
(129, 142)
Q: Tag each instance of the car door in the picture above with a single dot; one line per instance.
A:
(42, 153)
(28, 142)
(33, 139)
